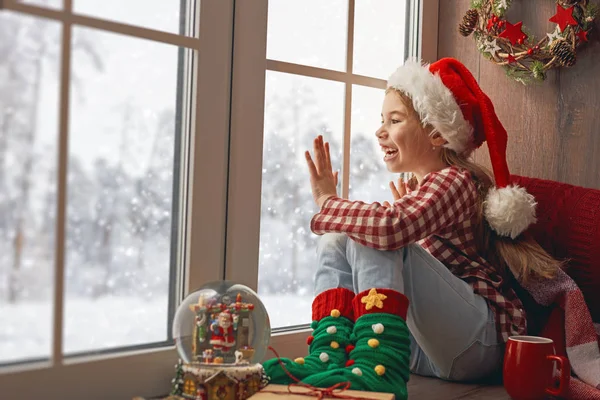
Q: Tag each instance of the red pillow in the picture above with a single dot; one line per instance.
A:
(568, 227)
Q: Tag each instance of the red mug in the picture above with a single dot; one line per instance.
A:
(529, 368)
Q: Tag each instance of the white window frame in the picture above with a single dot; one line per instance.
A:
(126, 374)
(247, 126)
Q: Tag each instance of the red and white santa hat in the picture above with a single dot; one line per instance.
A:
(447, 96)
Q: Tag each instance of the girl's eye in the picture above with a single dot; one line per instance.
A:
(395, 121)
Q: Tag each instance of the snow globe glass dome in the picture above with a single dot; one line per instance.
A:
(222, 323)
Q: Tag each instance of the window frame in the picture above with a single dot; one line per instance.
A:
(247, 129)
(201, 250)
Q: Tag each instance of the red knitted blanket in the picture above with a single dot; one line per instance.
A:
(578, 333)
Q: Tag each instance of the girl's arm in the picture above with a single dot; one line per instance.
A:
(445, 198)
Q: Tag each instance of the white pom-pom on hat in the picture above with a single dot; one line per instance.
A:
(509, 210)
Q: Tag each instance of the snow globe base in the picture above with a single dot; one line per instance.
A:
(196, 381)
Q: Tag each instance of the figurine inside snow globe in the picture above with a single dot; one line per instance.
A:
(222, 323)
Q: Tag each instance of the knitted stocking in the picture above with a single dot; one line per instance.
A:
(380, 360)
(332, 324)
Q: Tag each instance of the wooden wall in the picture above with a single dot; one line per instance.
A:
(554, 127)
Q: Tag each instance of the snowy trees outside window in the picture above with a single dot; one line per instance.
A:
(120, 188)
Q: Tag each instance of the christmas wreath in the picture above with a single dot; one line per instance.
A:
(524, 57)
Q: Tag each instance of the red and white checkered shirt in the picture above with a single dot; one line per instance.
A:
(440, 216)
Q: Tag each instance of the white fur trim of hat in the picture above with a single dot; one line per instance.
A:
(434, 103)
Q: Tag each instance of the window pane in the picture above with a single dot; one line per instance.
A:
(369, 177)
(28, 135)
(154, 14)
(44, 3)
(122, 155)
(297, 110)
(309, 32)
(379, 37)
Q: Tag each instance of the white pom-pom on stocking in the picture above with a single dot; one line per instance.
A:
(357, 371)
(324, 357)
(377, 328)
(509, 210)
(331, 330)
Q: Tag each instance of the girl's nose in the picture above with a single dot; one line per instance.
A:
(381, 133)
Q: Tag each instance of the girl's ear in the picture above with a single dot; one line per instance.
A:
(437, 139)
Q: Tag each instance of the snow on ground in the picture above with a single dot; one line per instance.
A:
(26, 328)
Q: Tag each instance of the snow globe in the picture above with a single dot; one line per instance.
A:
(221, 332)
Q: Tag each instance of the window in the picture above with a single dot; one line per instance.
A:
(319, 68)
(102, 110)
(143, 154)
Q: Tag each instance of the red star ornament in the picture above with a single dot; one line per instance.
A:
(513, 32)
(490, 24)
(582, 36)
(511, 59)
(563, 17)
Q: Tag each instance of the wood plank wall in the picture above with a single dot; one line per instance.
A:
(554, 127)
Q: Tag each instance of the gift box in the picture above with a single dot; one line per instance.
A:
(278, 392)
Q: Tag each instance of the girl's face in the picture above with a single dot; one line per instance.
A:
(405, 143)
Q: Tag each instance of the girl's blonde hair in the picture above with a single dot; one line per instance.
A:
(523, 256)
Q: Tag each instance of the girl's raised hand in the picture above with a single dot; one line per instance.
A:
(399, 190)
(323, 180)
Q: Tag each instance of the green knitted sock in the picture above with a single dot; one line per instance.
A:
(332, 314)
(380, 360)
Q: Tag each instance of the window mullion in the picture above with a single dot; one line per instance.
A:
(246, 142)
(348, 102)
(205, 239)
(423, 37)
(61, 190)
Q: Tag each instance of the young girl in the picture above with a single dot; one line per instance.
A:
(426, 284)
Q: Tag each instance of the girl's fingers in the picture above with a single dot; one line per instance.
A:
(311, 165)
(395, 193)
(401, 187)
(320, 154)
(328, 157)
(335, 178)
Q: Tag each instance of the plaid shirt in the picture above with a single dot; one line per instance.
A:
(440, 216)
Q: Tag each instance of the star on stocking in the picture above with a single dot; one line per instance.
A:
(373, 299)
(563, 17)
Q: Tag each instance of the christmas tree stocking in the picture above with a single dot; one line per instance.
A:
(332, 326)
(380, 360)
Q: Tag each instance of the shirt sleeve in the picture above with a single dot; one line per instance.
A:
(445, 198)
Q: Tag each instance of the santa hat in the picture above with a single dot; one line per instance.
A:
(447, 97)
(226, 314)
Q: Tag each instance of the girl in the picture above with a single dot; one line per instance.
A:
(428, 283)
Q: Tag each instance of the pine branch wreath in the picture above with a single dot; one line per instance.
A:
(525, 58)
